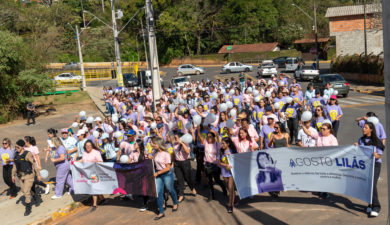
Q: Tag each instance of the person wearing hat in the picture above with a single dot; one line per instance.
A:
(77, 153)
(25, 169)
(308, 135)
(334, 113)
(129, 148)
(148, 119)
(68, 142)
(268, 113)
(266, 131)
(108, 148)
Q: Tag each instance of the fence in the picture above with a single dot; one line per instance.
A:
(91, 73)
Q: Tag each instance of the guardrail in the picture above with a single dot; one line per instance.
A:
(91, 74)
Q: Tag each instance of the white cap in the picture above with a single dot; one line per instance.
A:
(80, 132)
(98, 119)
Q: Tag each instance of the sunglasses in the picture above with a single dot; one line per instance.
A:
(276, 127)
(323, 128)
(5, 143)
(318, 110)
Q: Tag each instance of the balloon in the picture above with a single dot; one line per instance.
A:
(153, 125)
(96, 134)
(223, 91)
(109, 129)
(257, 99)
(306, 116)
(289, 99)
(336, 92)
(231, 92)
(277, 105)
(229, 123)
(250, 89)
(118, 134)
(214, 95)
(187, 138)
(114, 118)
(171, 108)
(229, 104)
(124, 159)
(75, 124)
(326, 97)
(140, 133)
(188, 126)
(281, 83)
(255, 92)
(210, 118)
(140, 108)
(197, 120)
(110, 92)
(82, 113)
(89, 119)
(270, 82)
(233, 112)
(223, 107)
(267, 94)
(373, 120)
(44, 174)
(171, 125)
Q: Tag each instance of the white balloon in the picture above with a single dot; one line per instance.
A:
(223, 107)
(289, 99)
(109, 129)
(267, 94)
(336, 92)
(229, 123)
(140, 108)
(233, 112)
(210, 118)
(255, 92)
(188, 126)
(250, 89)
(124, 159)
(281, 83)
(44, 174)
(118, 134)
(373, 120)
(110, 92)
(326, 97)
(306, 116)
(171, 125)
(89, 119)
(197, 120)
(114, 118)
(257, 99)
(75, 124)
(153, 125)
(187, 138)
(96, 134)
(171, 107)
(231, 92)
(270, 82)
(223, 91)
(229, 104)
(82, 113)
(214, 95)
(277, 105)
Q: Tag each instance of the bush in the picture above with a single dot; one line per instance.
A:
(370, 64)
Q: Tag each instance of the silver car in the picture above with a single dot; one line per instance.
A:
(236, 67)
(267, 68)
(188, 69)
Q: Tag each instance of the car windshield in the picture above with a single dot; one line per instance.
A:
(128, 75)
(267, 65)
(333, 78)
(179, 80)
(307, 67)
(290, 61)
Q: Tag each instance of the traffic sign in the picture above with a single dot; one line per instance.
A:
(313, 51)
(229, 48)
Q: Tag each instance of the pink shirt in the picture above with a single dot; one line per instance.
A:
(161, 160)
(264, 119)
(182, 126)
(210, 152)
(327, 141)
(253, 133)
(93, 156)
(180, 153)
(244, 145)
(35, 151)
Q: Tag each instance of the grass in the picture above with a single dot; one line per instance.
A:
(63, 99)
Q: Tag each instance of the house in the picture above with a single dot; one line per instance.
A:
(305, 45)
(346, 23)
(260, 47)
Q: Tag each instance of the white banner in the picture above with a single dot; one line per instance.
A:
(343, 169)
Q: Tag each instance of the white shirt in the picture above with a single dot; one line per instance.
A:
(308, 141)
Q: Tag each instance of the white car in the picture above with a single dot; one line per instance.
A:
(267, 68)
(180, 81)
(236, 67)
(189, 69)
(67, 77)
(306, 73)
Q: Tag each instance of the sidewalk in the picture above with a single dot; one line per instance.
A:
(97, 97)
(367, 89)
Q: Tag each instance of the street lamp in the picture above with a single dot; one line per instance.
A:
(315, 28)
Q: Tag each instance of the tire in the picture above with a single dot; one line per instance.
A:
(228, 71)
(247, 69)
(180, 73)
(197, 72)
(345, 95)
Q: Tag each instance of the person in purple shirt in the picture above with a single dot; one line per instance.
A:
(207, 104)
(295, 84)
(6, 157)
(370, 138)
(319, 117)
(316, 101)
(291, 110)
(281, 99)
(266, 132)
(334, 113)
(380, 131)
(237, 98)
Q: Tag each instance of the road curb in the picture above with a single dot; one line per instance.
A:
(59, 213)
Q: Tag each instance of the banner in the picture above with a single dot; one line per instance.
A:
(113, 178)
(343, 169)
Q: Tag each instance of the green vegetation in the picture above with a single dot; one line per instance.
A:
(370, 64)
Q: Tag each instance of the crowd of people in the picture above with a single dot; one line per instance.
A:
(202, 122)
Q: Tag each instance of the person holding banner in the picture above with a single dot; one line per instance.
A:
(370, 138)
(164, 175)
(227, 148)
(307, 135)
(279, 138)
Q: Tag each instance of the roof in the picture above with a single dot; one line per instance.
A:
(311, 40)
(352, 10)
(260, 47)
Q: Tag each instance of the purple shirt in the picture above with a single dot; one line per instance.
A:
(223, 158)
(314, 102)
(333, 111)
(266, 134)
(237, 100)
(317, 123)
(291, 110)
(59, 151)
(377, 150)
(295, 85)
(3, 155)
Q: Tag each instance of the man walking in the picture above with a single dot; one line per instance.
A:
(30, 113)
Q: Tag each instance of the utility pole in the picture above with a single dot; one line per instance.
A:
(386, 51)
(365, 28)
(82, 9)
(83, 84)
(316, 35)
(116, 46)
(154, 65)
(146, 52)
(103, 5)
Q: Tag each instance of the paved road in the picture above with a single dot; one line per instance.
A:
(291, 208)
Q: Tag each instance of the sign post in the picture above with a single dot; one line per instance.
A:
(229, 48)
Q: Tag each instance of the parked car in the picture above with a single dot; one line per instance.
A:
(149, 79)
(280, 61)
(292, 63)
(71, 66)
(336, 80)
(180, 81)
(267, 68)
(306, 72)
(236, 67)
(130, 80)
(67, 77)
(188, 69)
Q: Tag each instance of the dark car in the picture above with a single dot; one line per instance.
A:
(336, 80)
(130, 80)
(280, 61)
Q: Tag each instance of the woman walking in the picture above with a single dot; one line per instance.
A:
(334, 113)
(7, 160)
